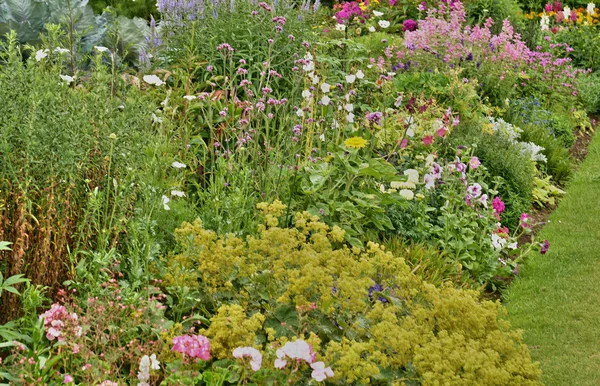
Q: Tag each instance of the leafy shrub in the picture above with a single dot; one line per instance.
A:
(559, 163)
(588, 92)
(130, 9)
(503, 159)
(68, 161)
(528, 111)
(216, 36)
(84, 30)
(361, 309)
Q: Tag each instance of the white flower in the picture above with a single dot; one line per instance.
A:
(383, 23)
(544, 22)
(153, 79)
(410, 132)
(67, 78)
(177, 193)
(310, 66)
(155, 363)
(156, 119)
(61, 50)
(340, 27)
(371, 29)
(350, 78)
(100, 49)
(190, 97)
(306, 94)
(407, 194)
(377, 13)
(322, 137)
(350, 118)
(349, 107)
(429, 180)
(590, 8)
(567, 12)
(178, 165)
(300, 113)
(413, 175)
(41, 54)
(315, 79)
(498, 242)
(165, 202)
(325, 100)
(360, 74)
(325, 87)
(512, 245)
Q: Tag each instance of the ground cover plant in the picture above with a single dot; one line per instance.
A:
(275, 192)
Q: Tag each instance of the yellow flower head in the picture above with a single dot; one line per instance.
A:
(356, 142)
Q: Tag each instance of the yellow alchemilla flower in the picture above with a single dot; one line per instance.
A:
(356, 142)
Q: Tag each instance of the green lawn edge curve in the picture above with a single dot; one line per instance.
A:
(556, 297)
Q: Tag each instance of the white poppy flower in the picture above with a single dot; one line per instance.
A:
(322, 137)
(377, 13)
(383, 23)
(306, 94)
(360, 74)
(315, 79)
(190, 97)
(350, 78)
(349, 107)
(300, 113)
(371, 29)
(153, 79)
(165, 202)
(40, 54)
(67, 78)
(177, 193)
(325, 87)
(178, 165)
(350, 118)
(325, 100)
(340, 27)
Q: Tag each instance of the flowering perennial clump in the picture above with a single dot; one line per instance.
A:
(195, 346)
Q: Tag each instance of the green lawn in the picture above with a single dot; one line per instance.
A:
(556, 298)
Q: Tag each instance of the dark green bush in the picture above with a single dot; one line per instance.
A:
(505, 163)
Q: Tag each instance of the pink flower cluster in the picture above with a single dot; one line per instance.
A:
(349, 10)
(444, 34)
(57, 321)
(195, 346)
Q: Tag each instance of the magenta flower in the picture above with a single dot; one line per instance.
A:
(498, 205)
(427, 140)
(249, 352)
(409, 25)
(67, 379)
(573, 15)
(524, 220)
(544, 247)
(195, 346)
(548, 8)
(474, 163)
